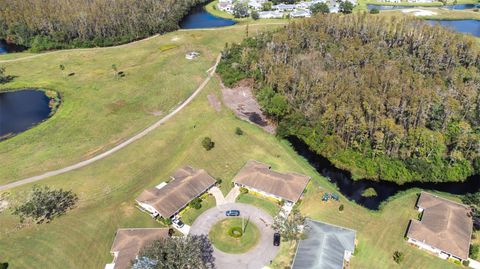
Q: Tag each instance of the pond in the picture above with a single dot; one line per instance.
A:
(464, 26)
(353, 189)
(21, 110)
(456, 7)
(6, 47)
(198, 17)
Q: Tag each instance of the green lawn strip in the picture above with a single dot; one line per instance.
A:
(221, 238)
(268, 206)
(189, 215)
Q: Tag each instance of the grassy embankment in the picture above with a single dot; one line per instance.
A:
(189, 214)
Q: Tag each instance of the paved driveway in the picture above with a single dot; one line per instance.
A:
(257, 257)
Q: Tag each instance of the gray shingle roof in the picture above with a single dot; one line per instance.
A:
(324, 247)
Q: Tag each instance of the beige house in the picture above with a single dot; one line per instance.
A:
(166, 200)
(259, 177)
(445, 228)
(129, 242)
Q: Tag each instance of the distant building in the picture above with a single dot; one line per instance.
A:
(258, 177)
(326, 247)
(225, 6)
(301, 14)
(284, 7)
(270, 14)
(445, 227)
(166, 200)
(129, 242)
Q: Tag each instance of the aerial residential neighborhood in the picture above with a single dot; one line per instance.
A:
(240, 134)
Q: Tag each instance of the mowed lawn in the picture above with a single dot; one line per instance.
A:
(99, 110)
(107, 189)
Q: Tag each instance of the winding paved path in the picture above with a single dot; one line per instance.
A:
(259, 256)
(119, 146)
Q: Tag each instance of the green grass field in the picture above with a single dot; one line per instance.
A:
(268, 206)
(220, 238)
(100, 110)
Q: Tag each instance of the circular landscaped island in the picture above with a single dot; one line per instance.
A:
(228, 236)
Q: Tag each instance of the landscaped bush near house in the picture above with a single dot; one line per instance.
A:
(374, 11)
(196, 203)
(243, 190)
(474, 249)
(166, 221)
(207, 143)
(3, 265)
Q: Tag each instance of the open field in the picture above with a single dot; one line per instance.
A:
(100, 110)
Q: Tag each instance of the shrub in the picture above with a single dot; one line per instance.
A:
(473, 252)
(466, 263)
(235, 232)
(255, 15)
(207, 143)
(238, 131)
(3, 265)
(320, 8)
(340, 208)
(374, 11)
(398, 256)
(196, 203)
(243, 190)
(166, 221)
(219, 181)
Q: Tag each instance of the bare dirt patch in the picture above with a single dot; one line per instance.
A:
(241, 100)
(214, 102)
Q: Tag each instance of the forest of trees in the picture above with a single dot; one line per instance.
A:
(54, 24)
(393, 99)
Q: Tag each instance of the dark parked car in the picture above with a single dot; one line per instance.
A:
(276, 239)
(232, 213)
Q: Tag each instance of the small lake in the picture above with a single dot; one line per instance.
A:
(353, 189)
(456, 7)
(198, 17)
(21, 110)
(10, 47)
(464, 26)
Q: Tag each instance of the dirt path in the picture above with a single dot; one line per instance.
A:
(211, 72)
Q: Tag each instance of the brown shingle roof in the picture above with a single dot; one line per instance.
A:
(257, 175)
(445, 225)
(128, 242)
(187, 184)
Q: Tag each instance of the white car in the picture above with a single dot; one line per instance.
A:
(177, 223)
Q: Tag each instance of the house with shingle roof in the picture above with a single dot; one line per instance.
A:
(129, 242)
(326, 246)
(445, 227)
(259, 177)
(166, 200)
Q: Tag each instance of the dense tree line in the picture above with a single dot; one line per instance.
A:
(51, 24)
(394, 99)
